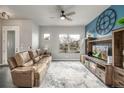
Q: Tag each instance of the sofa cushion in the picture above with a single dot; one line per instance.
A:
(39, 75)
(44, 60)
(22, 69)
(38, 65)
(33, 53)
(29, 63)
(41, 69)
(26, 56)
(22, 58)
(19, 59)
(12, 62)
(39, 52)
(41, 56)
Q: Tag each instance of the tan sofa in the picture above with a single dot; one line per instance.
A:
(28, 68)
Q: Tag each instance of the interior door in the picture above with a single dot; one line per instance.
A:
(10, 42)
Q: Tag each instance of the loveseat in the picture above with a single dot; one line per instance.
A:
(29, 68)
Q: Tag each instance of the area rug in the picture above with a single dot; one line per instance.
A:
(68, 74)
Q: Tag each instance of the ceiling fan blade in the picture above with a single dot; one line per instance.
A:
(69, 19)
(69, 14)
(59, 10)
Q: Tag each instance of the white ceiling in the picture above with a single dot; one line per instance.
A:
(42, 14)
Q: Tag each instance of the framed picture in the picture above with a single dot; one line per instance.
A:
(46, 36)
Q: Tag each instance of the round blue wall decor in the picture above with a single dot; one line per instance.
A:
(106, 22)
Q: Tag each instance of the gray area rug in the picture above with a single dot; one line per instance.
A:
(70, 75)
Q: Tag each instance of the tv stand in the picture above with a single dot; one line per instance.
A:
(100, 68)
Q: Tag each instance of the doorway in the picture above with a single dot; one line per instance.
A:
(10, 42)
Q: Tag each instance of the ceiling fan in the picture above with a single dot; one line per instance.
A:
(63, 15)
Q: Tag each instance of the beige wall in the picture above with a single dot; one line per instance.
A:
(35, 36)
(0, 42)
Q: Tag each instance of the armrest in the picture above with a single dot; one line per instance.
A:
(23, 76)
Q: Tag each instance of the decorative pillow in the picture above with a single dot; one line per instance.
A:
(41, 56)
(22, 58)
(39, 52)
(33, 53)
(26, 57)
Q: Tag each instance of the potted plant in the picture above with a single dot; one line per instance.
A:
(120, 21)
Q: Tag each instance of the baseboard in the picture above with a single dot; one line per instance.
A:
(4, 65)
(66, 59)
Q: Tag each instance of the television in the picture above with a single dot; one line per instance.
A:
(102, 51)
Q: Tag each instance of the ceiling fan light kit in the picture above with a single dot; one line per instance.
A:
(63, 15)
(62, 18)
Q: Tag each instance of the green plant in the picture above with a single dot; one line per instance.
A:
(120, 21)
(97, 54)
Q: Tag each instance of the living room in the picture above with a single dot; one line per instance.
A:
(61, 46)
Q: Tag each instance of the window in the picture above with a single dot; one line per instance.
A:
(69, 43)
(46, 36)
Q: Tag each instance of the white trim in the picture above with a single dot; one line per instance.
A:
(5, 29)
(3, 65)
